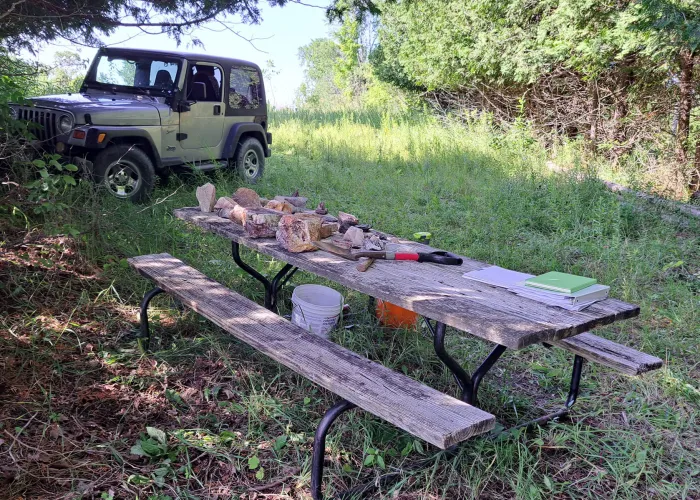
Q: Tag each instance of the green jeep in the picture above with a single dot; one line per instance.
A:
(140, 113)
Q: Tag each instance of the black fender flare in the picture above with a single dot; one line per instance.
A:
(118, 133)
(235, 133)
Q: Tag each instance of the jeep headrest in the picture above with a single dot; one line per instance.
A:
(198, 92)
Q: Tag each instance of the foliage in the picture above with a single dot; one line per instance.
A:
(579, 68)
(23, 23)
(320, 88)
(54, 178)
(481, 192)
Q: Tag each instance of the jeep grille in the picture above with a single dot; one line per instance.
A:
(46, 119)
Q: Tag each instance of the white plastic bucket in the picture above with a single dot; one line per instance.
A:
(316, 308)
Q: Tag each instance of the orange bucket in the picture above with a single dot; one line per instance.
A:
(394, 316)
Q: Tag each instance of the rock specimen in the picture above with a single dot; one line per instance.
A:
(261, 222)
(224, 207)
(247, 198)
(225, 202)
(281, 206)
(206, 196)
(373, 243)
(340, 241)
(237, 214)
(355, 236)
(346, 221)
(296, 233)
(297, 201)
(321, 209)
(328, 228)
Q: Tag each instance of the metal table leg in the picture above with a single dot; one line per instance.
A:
(469, 385)
(320, 445)
(144, 338)
(462, 378)
(483, 369)
(570, 399)
(273, 287)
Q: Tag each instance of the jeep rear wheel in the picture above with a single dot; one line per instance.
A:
(250, 160)
(125, 171)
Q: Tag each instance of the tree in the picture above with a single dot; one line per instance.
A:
(571, 61)
(320, 58)
(23, 22)
(672, 29)
(68, 70)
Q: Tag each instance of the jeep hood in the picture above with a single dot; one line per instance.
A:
(107, 109)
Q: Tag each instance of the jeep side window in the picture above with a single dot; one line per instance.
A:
(244, 88)
(210, 78)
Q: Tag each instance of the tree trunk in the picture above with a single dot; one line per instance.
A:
(593, 105)
(623, 80)
(685, 104)
(695, 176)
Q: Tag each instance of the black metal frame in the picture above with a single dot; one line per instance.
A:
(144, 337)
(469, 385)
(273, 287)
(320, 445)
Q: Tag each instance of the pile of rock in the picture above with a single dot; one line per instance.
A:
(285, 217)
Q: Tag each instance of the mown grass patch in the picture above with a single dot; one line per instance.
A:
(237, 424)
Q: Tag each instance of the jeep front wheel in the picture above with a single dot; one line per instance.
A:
(125, 172)
(250, 160)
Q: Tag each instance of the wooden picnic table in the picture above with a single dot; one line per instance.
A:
(442, 294)
(437, 292)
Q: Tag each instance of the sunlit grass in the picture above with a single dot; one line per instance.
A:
(488, 196)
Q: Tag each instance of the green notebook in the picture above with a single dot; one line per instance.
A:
(560, 282)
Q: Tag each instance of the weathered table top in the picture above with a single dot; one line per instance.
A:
(437, 292)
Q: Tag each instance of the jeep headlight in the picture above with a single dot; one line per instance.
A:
(65, 124)
(14, 112)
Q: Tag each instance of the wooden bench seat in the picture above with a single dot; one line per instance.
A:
(608, 353)
(420, 410)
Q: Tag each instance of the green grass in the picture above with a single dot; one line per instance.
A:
(484, 195)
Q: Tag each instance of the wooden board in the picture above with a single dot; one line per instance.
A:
(437, 292)
(608, 353)
(424, 412)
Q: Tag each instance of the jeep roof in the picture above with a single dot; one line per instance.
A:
(180, 54)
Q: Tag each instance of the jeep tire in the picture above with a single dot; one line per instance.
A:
(125, 171)
(250, 160)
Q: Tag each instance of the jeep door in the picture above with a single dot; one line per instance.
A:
(201, 128)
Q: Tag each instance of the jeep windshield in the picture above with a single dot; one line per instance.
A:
(139, 74)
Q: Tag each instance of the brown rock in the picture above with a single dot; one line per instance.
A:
(281, 206)
(346, 221)
(373, 243)
(238, 214)
(297, 201)
(329, 218)
(223, 212)
(225, 202)
(340, 241)
(296, 233)
(321, 209)
(224, 206)
(206, 196)
(355, 236)
(328, 228)
(247, 198)
(261, 222)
